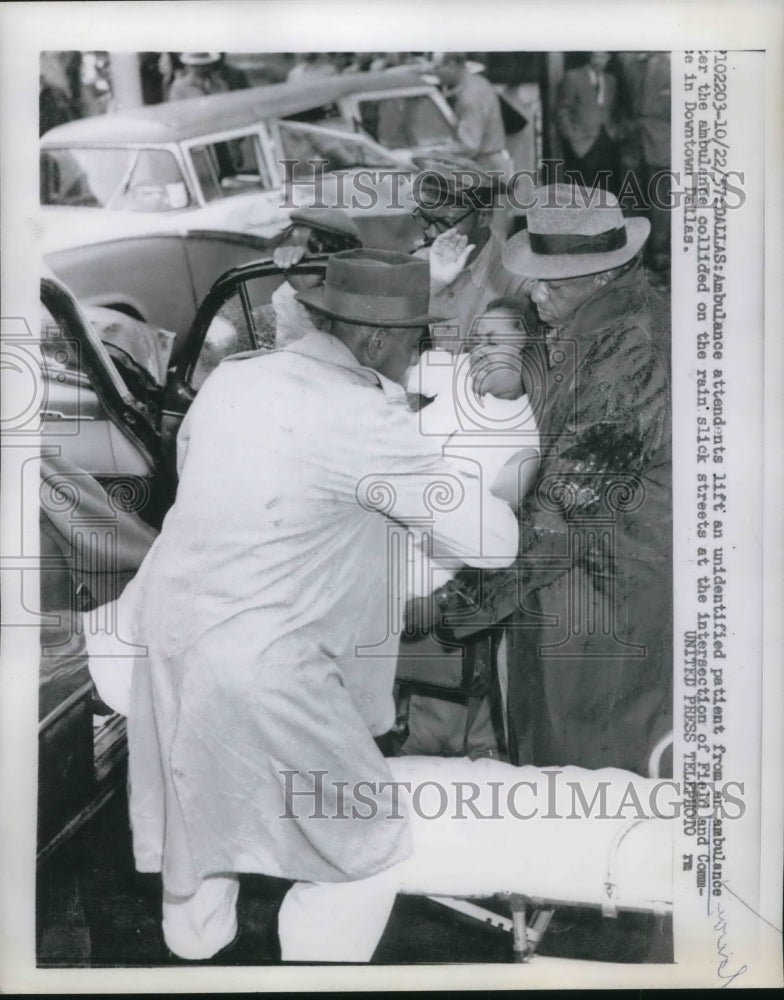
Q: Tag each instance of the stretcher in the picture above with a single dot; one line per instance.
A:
(538, 838)
(541, 839)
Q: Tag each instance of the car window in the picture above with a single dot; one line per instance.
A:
(135, 180)
(310, 149)
(405, 122)
(231, 167)
(245, 322)
(137, 351)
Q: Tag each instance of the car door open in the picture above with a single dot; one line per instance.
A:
(237, 315)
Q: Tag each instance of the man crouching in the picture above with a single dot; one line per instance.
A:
(262, 600)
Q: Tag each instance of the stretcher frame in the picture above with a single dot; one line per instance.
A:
(528, 931)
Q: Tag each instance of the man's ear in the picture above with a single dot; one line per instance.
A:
(375, 343)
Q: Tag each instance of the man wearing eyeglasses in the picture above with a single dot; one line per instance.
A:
(459, 209)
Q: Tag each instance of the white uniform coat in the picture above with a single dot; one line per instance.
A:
(271, 567)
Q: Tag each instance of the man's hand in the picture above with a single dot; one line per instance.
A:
(448, 255)
(288, 256)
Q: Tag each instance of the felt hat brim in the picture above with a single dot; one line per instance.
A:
(314, 298)
(519, 258)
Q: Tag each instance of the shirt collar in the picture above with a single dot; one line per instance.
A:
(329, 350)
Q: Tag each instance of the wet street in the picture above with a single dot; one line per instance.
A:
(95, 910)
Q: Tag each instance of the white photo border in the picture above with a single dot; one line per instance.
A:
(304, 25)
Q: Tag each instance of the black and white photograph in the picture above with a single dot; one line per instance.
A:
(389, 566)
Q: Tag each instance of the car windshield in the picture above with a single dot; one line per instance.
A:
(405, 122)
(308, 146)
(131, 180)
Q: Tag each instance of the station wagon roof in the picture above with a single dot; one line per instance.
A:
(174, 121)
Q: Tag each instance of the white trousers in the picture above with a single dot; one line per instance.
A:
(317, 921)
(336, 921)
(198, 926)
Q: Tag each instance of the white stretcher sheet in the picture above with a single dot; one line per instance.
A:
(564, 853)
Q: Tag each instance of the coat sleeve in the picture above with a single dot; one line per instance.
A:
(448, 501)
(613, 121)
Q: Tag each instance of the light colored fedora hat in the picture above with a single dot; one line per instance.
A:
(199, 58)
(374, 288)
(573, 232)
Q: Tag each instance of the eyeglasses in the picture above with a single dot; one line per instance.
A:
(441, 224)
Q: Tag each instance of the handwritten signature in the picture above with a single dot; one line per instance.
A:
(722, 950)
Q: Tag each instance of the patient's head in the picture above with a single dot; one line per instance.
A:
(497, 341)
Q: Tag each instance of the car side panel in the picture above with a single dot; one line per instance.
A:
(160, 279)
(147, 277)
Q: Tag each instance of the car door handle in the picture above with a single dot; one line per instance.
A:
(59, 415)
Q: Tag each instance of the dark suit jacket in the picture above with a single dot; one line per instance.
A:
(579, 115)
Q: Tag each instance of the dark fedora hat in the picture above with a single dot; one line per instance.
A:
(573, 232)
(374, 288)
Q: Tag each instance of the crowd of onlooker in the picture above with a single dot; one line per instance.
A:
(612, 113)
(72, 85)
(607, 120)
(78, 84)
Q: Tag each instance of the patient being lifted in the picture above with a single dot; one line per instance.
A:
(479, 405)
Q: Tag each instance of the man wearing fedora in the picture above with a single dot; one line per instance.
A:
(588, 603)
(267, 607)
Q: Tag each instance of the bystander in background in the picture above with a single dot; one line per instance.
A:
(646, 147)
(586, 114)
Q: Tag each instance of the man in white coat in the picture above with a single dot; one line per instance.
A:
(297, 467)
